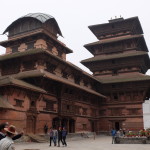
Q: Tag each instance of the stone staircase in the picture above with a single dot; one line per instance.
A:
(37, 138)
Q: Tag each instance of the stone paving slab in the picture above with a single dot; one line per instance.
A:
(100, 143)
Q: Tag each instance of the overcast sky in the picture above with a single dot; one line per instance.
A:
(74, 17)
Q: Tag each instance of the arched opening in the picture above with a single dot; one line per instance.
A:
(68, 123)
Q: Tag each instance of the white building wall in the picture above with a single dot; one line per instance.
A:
(146, 114)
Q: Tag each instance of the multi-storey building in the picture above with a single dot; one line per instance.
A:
(38, 86)
(120, 62)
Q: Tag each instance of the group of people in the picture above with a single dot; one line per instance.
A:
(58, 136)
(115, 134)
(7, 135)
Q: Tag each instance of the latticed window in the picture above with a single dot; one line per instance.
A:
(77, 110)
(101, 112)
(116, 111)
(84, 126)
(77, 79)
(30, 45)
(64, 74)
(19, 103)
(93, 113)
(49, 106)
(133, 111)
(51, 67)
(28, 65)
(84, 111)
(49, 47)
(15, 49)
(10, 68)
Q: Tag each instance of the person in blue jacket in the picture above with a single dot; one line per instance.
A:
(113, 134)
(64, 135)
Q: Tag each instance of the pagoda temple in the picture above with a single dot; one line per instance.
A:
(39, 87)
(120, 62)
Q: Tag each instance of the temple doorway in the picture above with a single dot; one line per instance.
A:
(31, 124)
(117, 126)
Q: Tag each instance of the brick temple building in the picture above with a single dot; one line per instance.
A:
(39, 86)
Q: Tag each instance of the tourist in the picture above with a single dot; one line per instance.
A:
(45, 128)
(113, 134)
(7, 142)
(121, 133)
(51, 136)
(60, 136)
(118, 133)
(55, 136)
(3, 132)
(124, 132)
(64, 134)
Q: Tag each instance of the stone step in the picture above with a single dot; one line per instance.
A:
(37, 138)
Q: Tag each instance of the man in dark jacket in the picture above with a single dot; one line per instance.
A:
(60, 136)
(64, 134)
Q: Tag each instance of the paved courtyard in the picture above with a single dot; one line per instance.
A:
(100, 143)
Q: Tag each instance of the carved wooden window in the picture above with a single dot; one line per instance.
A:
(84, 111)
(60, 53)
(28, 65)
(77, 110)
(10, 68)
(84, 126)
(50, 47)
(113, 26)
(19, 103)
(49, 106)
(101, 112)
(51, 67)
(113, 86)
(116, 111)
(113, 61)
(93, 113)
(115, 97)
(30, 45)
(128, 45)
(133, 111)
(64, 74)
(68, 107)
(114, 72)
(77, 79)
(14, 49)
(85, 83)
(32, 104)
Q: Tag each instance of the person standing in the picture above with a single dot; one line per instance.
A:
(64, 134)
(113, 134)
(55, 136)
(45, 128)
(51, 136)
(60, 136)
(7, 142)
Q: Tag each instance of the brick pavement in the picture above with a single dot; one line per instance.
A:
(100, 143)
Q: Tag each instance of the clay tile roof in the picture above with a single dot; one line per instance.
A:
(133, 78)
(20, 83)
(114, 56)
(48, 75)
(117, 39)
(36, 51)
(20, 54)
(5, 104)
